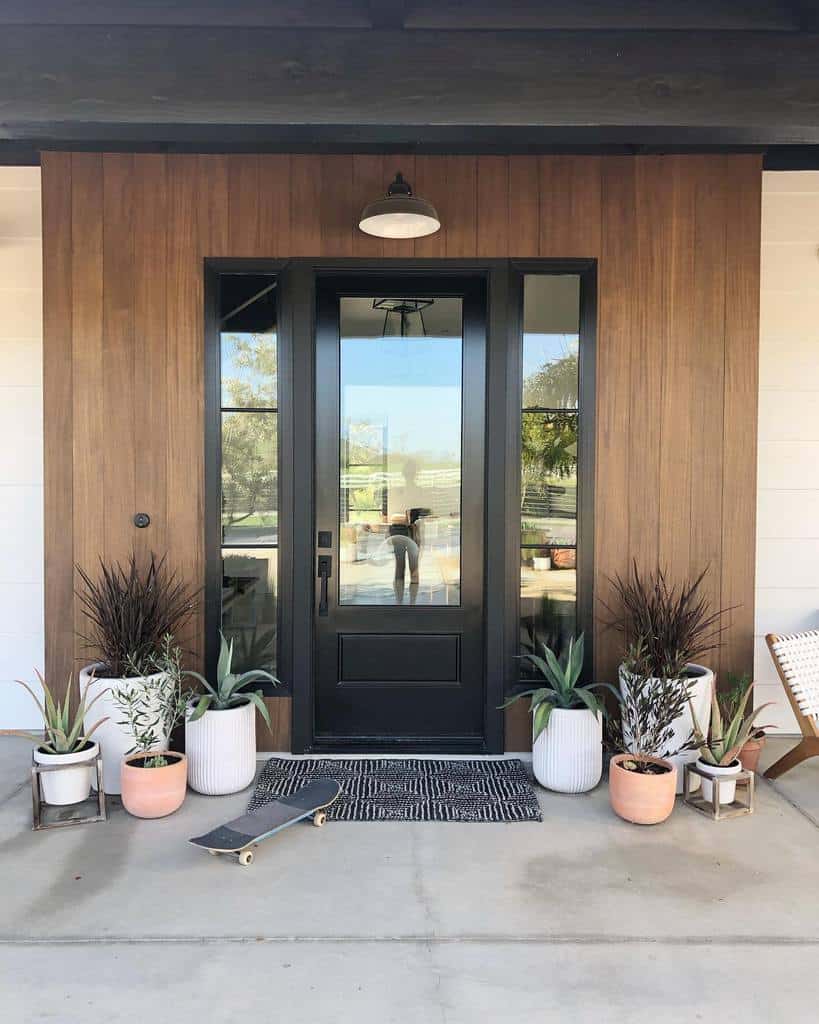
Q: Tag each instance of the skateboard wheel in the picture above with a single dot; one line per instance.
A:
(319, 818)
(246, 858)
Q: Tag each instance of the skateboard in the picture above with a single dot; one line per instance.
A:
(243, 833)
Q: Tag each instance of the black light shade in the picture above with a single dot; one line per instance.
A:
(399, 214)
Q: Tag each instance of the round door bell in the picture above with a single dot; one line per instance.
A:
(141, 520)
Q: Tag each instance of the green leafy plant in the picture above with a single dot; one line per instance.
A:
(154, 704)
(230, 691)
(665, 626)
(726, 736)
(130, 610)
(561, 676)
(63, 731)
(649, 707)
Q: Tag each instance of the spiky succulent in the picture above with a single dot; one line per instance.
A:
(561, 676)
(63, 732)
(726, 737)
(229, 691)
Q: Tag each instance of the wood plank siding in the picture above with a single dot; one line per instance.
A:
(677, 240)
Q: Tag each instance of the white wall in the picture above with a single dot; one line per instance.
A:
(21, 442)
(787, 563)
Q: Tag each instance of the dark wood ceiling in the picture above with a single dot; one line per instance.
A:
(409, 73)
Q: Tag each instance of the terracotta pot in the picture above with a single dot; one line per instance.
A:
(749, 755)
(153, 792)
(642, 799)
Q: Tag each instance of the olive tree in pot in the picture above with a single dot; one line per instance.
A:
(720, 745)
(129, 610)
(64, 742)
(666, 627)
(220, 727)
(153, 779)
(642, 786)
(567, 722)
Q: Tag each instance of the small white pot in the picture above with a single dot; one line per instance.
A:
(700, 694)
(568, 755)
(541, 563)
(115, 740)
(221, 749)
(727, 790)
(69, 785)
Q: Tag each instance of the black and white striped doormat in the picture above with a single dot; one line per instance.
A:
(408, 789)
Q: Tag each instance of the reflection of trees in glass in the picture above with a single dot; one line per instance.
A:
(553, 386)
(254, 357)
(249, 476)
(548, 449)
(551, 625)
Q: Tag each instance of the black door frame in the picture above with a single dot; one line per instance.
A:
(296, 339)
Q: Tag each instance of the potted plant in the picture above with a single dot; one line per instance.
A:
(129, 610)
(542, 561)
(666, 627)
(719, 745)
(567, 722)
(64, 742)
(220, 728)
(642, 786)
(153, 779)
(730, 701)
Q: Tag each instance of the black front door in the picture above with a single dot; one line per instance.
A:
(399, 484)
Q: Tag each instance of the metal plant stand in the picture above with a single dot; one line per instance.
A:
(713, 808)
(37, 802)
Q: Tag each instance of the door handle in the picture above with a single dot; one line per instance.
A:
(324, 572)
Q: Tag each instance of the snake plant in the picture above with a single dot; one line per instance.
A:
(721, 744)
(64, 733)
(230, 691)
(561, 676)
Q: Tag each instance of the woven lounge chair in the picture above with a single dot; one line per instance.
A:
(796, 656)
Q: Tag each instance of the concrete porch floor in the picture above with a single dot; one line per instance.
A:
(582, 915)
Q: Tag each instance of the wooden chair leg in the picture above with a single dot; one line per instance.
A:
(808, 747)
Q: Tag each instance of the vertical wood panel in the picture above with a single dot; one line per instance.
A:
(57, 193)
(741, 387)
(305, 205)
(118, 396)
(274, 204)
(214, 207)
(150, 362)
(184, 451)
(570, 206)
(431, 183)
(87, 370)
(706, 347)
(492, 205)
(243, 205)
(338, 218)
(460, 229)
(524, 206)
(369, 184)
(617, 311)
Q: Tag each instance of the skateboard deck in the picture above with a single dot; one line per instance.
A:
(239, 835)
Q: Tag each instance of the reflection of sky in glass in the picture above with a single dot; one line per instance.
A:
(540, 349)
(411, 385)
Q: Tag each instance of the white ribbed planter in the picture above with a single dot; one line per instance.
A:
(727, 790)
(115, 740)
(69, 785)
(221, 749)
(568, 755)
(701, 699)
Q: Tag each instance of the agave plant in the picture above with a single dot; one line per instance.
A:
(726, 737)
(561, 676)
(64, 732)
(230, 691)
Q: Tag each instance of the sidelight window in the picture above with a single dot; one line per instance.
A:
(549, 462)
(249, 454)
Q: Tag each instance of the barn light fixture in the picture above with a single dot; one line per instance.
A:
(399, 214)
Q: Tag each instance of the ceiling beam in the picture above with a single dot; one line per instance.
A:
(755, 82)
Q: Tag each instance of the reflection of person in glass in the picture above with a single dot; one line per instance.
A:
(404, 514)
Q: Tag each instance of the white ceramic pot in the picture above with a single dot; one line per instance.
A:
(221, 749)
(70, 785)
(700, 693)
(568, 755)
(115, 740)
(542, 563)
(727, 790)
